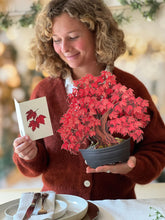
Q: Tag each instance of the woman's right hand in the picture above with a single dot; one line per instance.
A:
(25, 147)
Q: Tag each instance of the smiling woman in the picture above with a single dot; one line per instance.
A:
(72, 39)
(74, 43)
(92, 23)
(145, 45)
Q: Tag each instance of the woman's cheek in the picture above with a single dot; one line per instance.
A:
(56, 49)
(80, 45)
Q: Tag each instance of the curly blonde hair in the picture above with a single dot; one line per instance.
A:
(96, 15)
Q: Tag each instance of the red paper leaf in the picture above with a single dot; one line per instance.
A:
(31, 114)
(36, 121)
(41, 119)
(33, 124)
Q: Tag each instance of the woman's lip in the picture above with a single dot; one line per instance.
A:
(72, 56)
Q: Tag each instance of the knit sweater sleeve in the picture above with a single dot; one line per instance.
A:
(34, 167)
(150, 152)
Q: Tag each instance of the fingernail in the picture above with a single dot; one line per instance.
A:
(26, 137)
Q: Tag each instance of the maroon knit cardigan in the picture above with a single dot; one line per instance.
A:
(66, 173)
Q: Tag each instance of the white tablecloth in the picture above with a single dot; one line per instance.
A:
(115, 209)
(129, 209)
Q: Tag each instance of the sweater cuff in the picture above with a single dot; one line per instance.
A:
(138, 174)
(34, 166)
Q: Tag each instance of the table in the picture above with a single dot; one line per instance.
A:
(134, 209)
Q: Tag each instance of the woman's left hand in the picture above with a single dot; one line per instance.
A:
(120, 168)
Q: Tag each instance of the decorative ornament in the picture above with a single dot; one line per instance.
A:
(156, 215)
(26, 19)
(147, 8)
(102, 111)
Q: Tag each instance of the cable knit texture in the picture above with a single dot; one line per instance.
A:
(65, 173)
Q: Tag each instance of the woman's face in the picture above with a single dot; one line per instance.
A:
(73, 42)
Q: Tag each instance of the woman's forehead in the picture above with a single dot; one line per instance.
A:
(65, 23)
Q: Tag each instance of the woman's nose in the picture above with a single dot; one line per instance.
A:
(64, 46)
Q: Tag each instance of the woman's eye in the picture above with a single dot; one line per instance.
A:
(56, 41)
(73, 38)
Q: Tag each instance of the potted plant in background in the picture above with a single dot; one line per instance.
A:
(106, 113)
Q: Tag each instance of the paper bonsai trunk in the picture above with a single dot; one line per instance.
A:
(103, 136)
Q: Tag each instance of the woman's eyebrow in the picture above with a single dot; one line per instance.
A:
(69, 32)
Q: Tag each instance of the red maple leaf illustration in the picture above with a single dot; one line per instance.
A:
(41, 119)
(37, 120)
(33, 124)
(31, 114)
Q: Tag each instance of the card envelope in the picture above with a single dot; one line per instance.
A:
(33, 118)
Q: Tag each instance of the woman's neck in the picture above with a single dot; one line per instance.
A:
(93, 69)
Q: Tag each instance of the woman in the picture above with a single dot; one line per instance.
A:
(73, 38)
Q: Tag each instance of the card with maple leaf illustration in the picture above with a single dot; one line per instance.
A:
(33, 118)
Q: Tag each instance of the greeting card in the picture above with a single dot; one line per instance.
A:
(33, 118)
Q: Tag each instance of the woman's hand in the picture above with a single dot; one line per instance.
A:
(120, 168)
(25, 147)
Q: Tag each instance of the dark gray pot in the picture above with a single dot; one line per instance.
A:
(109, 155)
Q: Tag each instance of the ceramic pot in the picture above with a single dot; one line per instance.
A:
(109, 155)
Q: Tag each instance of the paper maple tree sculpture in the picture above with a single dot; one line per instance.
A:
(100, 109)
